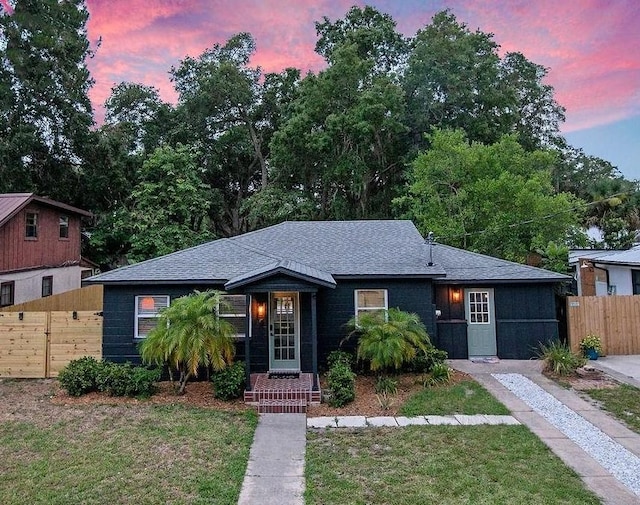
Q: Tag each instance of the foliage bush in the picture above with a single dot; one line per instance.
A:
(425, 361)
(80, 375)
(340, 357)
(386, 385)
(440, 374)
(559, 358)
(87, 374)
(228, 383)
(341, 382)
(127, 380)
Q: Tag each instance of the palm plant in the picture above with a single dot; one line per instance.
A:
(190, 334)
(388, 339)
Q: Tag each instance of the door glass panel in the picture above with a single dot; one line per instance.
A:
(284, 341)
(479, 307)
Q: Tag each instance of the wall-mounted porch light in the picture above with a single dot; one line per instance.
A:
(456, 295)
(261, 311)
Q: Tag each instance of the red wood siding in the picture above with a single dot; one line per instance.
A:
(18, 252)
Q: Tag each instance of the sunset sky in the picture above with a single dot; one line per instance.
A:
(592, 48)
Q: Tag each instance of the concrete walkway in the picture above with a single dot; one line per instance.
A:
(622, 368)
(596, 478)
(275, 472)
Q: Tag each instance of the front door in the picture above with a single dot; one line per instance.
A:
(481, 324)
(284, 339)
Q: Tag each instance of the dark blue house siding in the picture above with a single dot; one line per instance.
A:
(337, 306)
(525, 316)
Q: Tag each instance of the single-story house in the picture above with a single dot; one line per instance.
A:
(293, 286)
(601, 272)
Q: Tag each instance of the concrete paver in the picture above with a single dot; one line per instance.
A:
(378, 422)
(411, 421)
(442, 420)
(321, 422)
(351, 421)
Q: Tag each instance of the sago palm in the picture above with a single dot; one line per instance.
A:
(388, 339)
(190, 334)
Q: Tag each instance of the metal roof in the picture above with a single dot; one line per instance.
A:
(12, 203)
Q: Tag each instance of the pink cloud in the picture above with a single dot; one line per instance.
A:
(591, 47)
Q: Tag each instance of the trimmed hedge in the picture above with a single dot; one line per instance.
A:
(87, 374)
(228, 383)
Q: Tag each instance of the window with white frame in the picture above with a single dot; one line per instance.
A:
(234, 309)
(147, 312)
(370, 300)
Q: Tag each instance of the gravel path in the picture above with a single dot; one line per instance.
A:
(621, 463)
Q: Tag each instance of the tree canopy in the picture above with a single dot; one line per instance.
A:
(440, 127)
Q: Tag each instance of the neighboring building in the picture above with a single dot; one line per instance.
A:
(293, 286)
(601, 272)
(39, 248)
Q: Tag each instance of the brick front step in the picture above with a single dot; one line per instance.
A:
(291, 406)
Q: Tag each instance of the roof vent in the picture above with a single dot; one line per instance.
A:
(429, 242)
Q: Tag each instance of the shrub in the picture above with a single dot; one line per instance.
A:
(386, 385)
(559, 359)
(127, 380)
(79, 376)
(388, 339)
(341, 383)
(340, 357)
(440, 374)
(425, 361)
(228, 383)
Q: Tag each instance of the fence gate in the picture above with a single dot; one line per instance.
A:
(40, 344)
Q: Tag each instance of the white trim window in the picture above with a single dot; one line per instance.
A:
(234, 310)
(147, 312)
(370, 300)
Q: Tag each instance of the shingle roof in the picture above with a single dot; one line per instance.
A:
(323, 251)
(338, 248)
(12, 203)
(467, 266)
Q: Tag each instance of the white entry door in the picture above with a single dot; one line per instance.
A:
(481, 324)
(284, 337)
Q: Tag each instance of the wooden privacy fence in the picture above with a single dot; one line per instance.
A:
(40, 344)
(87, 298)
(615, 319)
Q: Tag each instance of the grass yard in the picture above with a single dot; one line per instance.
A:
(466, 397)
(622, 401)
(121, 454)
(438, 464)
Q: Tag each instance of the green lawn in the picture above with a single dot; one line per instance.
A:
(622, 401)
(466, 397)
(139, 454)
(438, 464)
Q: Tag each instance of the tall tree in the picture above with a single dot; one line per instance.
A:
(45, 113)
(344, 139)
(168, 209)
(230, 110)
(496, 199)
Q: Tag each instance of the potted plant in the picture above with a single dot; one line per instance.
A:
(591, 346)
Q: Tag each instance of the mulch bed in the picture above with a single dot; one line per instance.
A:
(585, 378)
